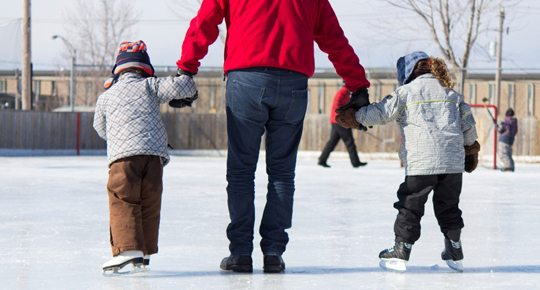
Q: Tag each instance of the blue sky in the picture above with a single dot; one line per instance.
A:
(378, 33)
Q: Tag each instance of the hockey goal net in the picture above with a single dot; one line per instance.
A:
(486, 127)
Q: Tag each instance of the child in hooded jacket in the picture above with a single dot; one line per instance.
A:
(438, 144)
(508, 130)
(127, 116)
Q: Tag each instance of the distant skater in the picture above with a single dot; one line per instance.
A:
(338, 132)
(438, 142)
(128, 117)
(508, 130)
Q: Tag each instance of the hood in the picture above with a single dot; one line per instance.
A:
(405, 65)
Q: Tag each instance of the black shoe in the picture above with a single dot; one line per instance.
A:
(273, 264)
(400, 251)
(242, 264)
(323, 164)
(359, 164)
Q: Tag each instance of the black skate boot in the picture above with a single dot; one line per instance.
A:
(396, 258)
(273, 264)
(453, 254)
(242, 264)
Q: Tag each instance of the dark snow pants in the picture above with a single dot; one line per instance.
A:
(135, 187)
(413, 194)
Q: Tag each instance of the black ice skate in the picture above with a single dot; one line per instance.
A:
(396, 258)
(453, 254)
(116, 264)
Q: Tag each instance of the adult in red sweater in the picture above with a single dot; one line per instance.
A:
(338, 132)
(268, 60)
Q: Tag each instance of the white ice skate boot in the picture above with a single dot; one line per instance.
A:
(116, 264)
(396, 258)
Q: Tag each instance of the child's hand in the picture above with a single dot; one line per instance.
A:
(471, 156)
(347, 119)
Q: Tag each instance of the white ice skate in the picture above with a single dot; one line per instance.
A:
(393, 264)
(146, 263)
(116, 264)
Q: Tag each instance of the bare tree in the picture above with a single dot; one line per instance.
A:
(187, 9)
(95, 31)
(454, 25)
(98, 28)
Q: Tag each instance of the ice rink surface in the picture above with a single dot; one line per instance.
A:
(54, 228)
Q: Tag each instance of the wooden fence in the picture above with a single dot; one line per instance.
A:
(189, 131)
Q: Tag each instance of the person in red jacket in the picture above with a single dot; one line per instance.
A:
(269, 56)
(337, 132)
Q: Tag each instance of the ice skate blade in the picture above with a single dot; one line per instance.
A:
(113, 270)
(393, 264)
(455, 265)
(137, 269)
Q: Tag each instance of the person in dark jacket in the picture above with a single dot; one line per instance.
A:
(338, 132)
(269, 56)
(508, 130)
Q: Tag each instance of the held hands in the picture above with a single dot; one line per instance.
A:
(347, 119)
(187, 101)
(471, 156)
(346, 113)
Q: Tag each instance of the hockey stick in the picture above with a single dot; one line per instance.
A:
(485, 101)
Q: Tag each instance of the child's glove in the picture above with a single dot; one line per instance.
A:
(185, 102)
(347, 119)
(471, 156)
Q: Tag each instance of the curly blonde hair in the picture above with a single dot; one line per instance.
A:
(441, 72)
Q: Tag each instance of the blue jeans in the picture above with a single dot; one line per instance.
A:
(263, 100)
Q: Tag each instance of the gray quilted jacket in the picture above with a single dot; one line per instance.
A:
(435, 124)
(128, 117)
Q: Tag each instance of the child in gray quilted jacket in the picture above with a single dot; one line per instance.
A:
(438, 144)
(128, 117)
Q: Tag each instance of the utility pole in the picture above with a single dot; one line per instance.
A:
(26, 69)
(499, 58)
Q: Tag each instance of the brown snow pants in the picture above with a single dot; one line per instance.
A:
(135, 186)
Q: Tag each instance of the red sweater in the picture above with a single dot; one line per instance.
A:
(340, 99)
(272, 33)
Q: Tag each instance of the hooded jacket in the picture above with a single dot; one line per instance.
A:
(128, 117)
(435, 124)
(508, 130)
(272, 33)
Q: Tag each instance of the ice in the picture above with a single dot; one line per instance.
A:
(54, 228)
